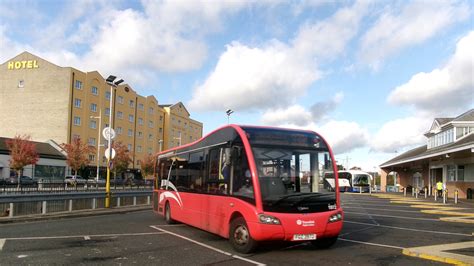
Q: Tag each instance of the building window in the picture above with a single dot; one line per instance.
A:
(78, 85)
(91, 141)
(150, 124)
(21, 84)
(460, 173)
(119, 130)
(130, 133)
(140, 121)
(91, 157)
(120, 99)
(93, 124)
(94, 107)
(107, 111)
(107, 95)
(149, 150)
(76, 136)
(139, 148)
(77, 103)
(77, 121)
(132, 103)
(451, 171)
(130, 118)
(150, 110)
(160, 130)
(140, 134)
(119, 115)
(141, 107)
(161, 118)
(94, 91)
(129, 146)
(150, 136)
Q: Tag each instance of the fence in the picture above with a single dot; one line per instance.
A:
(12, 205)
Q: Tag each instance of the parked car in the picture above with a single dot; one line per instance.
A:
(78, 180)
(24, 180)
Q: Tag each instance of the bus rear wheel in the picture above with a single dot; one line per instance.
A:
(239, 236)
(168, 218)
(324, 243)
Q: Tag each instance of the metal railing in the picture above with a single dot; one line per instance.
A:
(12, 205)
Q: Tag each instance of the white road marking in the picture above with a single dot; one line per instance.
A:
(207, 246)
(409, 229)
(371, 244)
(22, 256)
(87, 238)
(386, 210)
(392, 216)
(2, 242)
(80, 236)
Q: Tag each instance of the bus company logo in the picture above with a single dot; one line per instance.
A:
(303, 208)
(305, 223)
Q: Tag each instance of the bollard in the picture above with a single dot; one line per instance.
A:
(416, 192)
(370, 189)
(436, 195)
(404, 191)
(44, 207)
(456, 194)
(444, 196)
(412, 191)
(11, 210)
(426, 192)
(360, 190)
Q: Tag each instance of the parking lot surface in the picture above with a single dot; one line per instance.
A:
(382, 229)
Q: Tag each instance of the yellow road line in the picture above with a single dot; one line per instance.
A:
(439, 253)
(462, 219)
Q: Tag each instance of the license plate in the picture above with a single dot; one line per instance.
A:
(304, 237)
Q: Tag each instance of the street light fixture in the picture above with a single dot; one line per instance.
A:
(110, 80)
(228, 112)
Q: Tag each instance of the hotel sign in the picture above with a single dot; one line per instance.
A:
(26, 64)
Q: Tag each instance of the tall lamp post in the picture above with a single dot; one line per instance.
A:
(98, 144)
(228, 112)
(160, 143)
(111, 81)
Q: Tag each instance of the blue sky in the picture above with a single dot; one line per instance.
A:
(370, 76)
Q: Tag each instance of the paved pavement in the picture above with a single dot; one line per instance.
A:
(381, 229)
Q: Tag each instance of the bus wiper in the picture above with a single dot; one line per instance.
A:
(313, 196)
(292, 195)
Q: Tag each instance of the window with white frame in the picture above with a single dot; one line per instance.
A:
(120, 99)
(130, 118)
(94, 90)
(119, 115)
(150, 124)
(107, 111)
(130, 133)
(91, 142)
(94, 107)
(77, 103)
(107, 95)
(78, 85)
(139, 148)
(150, 136)
(140, 134)
(132, 103)
(141, 106)
(91, 157)
(150, 110)
(150, 150)
(119, 130)
(77, 121)
(129, 147)
(451, 172)
(93, 124)
(460, 173)
(21, 83)
(140, 121)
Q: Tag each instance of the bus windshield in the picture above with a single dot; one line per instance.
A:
(361, 180)
(291, 180)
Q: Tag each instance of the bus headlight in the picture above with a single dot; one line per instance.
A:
(335, 217)
(268, 219)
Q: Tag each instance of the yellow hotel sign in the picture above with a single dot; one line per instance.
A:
(22, 64)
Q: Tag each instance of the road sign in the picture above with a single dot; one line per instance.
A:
(108, 131)
(107, 153)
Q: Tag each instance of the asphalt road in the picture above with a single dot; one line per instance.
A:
(375, 233)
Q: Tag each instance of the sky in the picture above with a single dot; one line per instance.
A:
(369, 76)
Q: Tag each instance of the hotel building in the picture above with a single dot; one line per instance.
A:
(49, 102)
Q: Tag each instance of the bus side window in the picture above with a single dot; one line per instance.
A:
(195, 167)
(242, 185)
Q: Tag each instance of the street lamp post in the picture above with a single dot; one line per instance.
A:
(98, 144)
(110, 80)
(228, 112)
(160, 143)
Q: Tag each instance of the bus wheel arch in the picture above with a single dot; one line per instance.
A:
(239, 235)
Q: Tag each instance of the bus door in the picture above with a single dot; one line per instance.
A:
(217, 186)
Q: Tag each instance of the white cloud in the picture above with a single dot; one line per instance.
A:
(415, 23)
(450, 87)
(344, 136)
(276, 74)
(401, 133)
(254, 78)
(295, 115)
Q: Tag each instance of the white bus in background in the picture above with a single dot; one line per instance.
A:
(350, 180)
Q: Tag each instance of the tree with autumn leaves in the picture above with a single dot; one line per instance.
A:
(77, 154)
(147, 165)
(22, 153)
(122, 158)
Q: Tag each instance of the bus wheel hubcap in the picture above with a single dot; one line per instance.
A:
(241, 235)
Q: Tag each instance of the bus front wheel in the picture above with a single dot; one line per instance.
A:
(239, 236)
(324, 243)
(168, 218)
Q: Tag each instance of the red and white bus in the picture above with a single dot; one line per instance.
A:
(252, 184)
